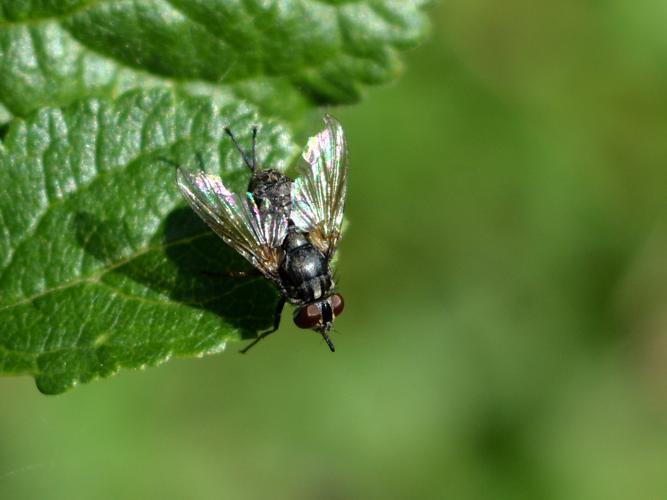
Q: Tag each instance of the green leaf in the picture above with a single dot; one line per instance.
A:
(101, 263)
(283, 56)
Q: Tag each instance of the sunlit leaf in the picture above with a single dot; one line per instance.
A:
(101, 263)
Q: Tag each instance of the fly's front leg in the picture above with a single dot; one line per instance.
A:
(276, 323)
(250, 273)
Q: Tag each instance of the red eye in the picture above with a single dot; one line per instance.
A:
(308, 316)
(337, 304)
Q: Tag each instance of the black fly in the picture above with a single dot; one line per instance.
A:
(287, 229)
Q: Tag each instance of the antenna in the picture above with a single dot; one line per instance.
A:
(329, 343)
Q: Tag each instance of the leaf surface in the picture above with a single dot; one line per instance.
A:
(101, 263)
(304, 51)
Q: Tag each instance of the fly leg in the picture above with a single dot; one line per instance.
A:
(200, 161)
(250, 273)
(250, 164)
(254, 149)
(276, 324)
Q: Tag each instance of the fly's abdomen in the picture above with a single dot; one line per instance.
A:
(272, 191)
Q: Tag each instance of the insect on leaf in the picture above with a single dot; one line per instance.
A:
(102, 264)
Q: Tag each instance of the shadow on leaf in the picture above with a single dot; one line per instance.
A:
(186, 263)
(4, 128)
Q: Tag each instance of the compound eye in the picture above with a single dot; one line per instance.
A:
(337, 304)
(308, 316)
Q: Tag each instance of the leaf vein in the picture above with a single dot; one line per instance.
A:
(111, 267)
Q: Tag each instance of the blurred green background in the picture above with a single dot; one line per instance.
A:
(505, 274)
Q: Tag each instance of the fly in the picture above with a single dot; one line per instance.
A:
(287, 229)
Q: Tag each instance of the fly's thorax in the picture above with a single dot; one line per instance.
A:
(295, 240)
(306, 283)
(305, 270)
(315, 288)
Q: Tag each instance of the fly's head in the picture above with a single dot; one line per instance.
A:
(320, 315)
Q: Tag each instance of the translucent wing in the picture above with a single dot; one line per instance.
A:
(318, 194)
(254, 233)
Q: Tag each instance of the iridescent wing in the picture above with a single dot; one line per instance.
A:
(254, 233)
(318, 194)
